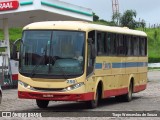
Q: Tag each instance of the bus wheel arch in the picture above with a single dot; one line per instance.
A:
(128, 96)
(131, 81)
(97, 95)
(100, 89)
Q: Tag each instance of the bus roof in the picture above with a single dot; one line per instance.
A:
(80, 26)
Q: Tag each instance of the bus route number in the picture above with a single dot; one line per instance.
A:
(71, 81)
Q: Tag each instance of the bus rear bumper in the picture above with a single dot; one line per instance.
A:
(55, 96)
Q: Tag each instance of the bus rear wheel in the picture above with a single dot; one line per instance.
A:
(127, 97)
(42, 103)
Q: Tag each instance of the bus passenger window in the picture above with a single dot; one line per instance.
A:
(107, 44)
(91, 61)
(145, 42)
(100, 43)
(113, 45)
(142, 46)
(121, 45)
(129, 46)
(132, 46)
(136, 46)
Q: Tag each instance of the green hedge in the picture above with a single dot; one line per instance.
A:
(153, 60)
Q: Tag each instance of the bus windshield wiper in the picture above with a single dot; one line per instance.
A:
(37, 65)
(39, 62)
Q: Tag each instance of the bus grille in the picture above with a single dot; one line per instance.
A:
(48, 89)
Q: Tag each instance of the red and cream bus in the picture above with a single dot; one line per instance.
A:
(80, 61)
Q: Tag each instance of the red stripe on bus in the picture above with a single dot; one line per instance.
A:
(140, 88)
(56, 97)
(121, 91)
(75, 97)
(115, 92)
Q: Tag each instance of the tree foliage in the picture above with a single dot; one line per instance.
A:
(116, 17)
(95, 17)
(127, 19)
(97, 20)
(141, 24)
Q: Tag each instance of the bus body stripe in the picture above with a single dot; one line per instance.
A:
(77, 97)
(124, 65)
(98, 66)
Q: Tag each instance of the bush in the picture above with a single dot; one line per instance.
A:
(153, 60)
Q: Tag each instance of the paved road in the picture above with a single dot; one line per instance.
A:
(153, 75)
(147, 100)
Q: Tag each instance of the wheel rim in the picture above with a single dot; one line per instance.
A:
(95, 102)
(130, 92)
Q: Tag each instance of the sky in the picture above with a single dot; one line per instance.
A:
(149, 10)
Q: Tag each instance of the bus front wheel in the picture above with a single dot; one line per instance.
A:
(93, 103)
(42, 103)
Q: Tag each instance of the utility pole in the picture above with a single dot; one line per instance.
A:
(115, 6)
(115, 10)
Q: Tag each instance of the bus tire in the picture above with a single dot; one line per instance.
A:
(93, 103)
(42, 103)
(126, 97)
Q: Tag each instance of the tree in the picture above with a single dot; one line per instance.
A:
(143, 24)
(116, 17)
(95, 17)
(127, 19)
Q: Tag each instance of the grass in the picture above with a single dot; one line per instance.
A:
(14, 33)
(153, 68)
(153, 40)
(153, 44)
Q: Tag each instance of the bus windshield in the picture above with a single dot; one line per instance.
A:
(45, 52)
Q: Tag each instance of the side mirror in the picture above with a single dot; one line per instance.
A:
(14, 54)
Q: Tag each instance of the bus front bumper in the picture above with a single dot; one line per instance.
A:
(56, 96)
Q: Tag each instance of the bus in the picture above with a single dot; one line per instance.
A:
(80, 61)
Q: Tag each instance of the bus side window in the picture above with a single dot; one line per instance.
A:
(142, 46)
(129, 48)
(107, 44)
(145, 42)
(132, 46)
(125, 44)
(113, 43)
(100, 43)
(121, 45)
(91, 61)
(136, 45)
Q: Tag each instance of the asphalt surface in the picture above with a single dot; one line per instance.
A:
(147, 100)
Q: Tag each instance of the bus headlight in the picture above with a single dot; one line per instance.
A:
(72, 87)
(24, 84)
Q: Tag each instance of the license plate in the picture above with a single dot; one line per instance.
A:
(48, 96)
